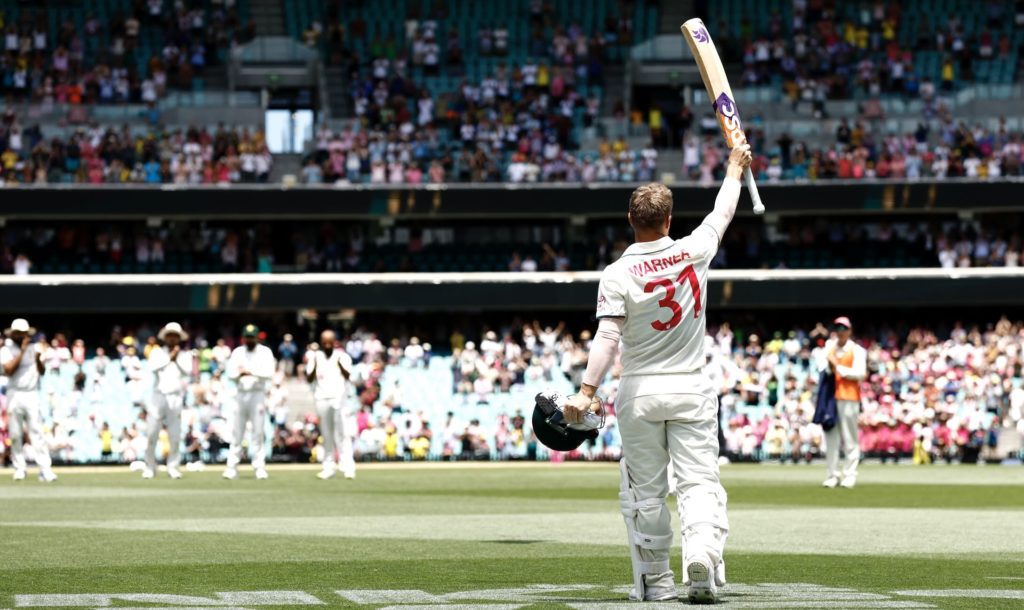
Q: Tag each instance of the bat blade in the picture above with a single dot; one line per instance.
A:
(712, 72)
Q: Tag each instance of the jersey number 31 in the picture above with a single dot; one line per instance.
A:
(670, 303)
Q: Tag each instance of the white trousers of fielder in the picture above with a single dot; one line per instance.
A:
(164, 410)
(681, 430)
(844, 433)
(23, 416)
(250, 408)
(336, 438)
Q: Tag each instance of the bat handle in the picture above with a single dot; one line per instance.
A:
(755, 197)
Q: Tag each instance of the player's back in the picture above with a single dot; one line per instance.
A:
(660, 288)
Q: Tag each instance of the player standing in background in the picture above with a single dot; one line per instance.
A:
(849, 363)
(251, 366)
(23, 364)
(172, 368)
(329, 370)
(653, 298)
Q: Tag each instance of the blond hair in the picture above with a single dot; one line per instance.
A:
(650, 205)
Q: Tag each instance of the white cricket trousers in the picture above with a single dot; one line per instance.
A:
(250, 407)
(164, 410)
(844, 433)
(681, 430)
(23, 416)
(332, 428)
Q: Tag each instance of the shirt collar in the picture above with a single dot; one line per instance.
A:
(647, 247)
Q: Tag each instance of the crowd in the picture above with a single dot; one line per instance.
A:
(130, 58)
(518, 122)
(939, 149)
(227, 247)
(926, 398)
(826, 54)
(930, 394)
(108, 155)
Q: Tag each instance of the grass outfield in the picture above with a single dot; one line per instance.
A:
(499, 536)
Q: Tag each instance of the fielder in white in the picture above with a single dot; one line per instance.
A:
(22, 361)
(251, 366)
(172, 368)
(329, 370)
(653, 299)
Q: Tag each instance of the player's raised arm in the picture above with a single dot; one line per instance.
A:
(729, 195)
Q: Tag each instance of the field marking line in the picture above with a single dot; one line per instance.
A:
(435, 465)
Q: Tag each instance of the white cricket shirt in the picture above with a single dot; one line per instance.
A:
(660, 288)
(330, 383)
(260, 364)
(26, 377)
(170, 377)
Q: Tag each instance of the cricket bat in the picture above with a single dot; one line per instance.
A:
(720, 94)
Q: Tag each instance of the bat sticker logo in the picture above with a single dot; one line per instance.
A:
(701, 35)
(729, 119)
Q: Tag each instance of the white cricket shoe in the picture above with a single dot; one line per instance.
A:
(831, 483)
(261, 474)
(350, 474)
(19, 475)
(323, 475)
(656, 594)
(47, 476)
(230, 473)
(701, 588)
(720, 573)
(148, 474)
(849, 483)
(174, 473)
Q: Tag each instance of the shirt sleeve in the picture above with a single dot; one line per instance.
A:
(158, 359)
(185, 361)
(611, 296)
(267, 364)
(858, 369)
(6, 355)
(703, 242)
(232, 366)
(346, 362)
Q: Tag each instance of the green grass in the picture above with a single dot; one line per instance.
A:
(482, 536)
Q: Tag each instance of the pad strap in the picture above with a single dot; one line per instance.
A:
(654, 567)
(629, 505)
(652, 541)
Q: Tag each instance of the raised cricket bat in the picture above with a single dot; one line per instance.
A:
(720, 94)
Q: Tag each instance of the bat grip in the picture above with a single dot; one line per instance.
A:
(755, 197)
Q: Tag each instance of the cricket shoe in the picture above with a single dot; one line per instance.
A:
(701, 588)
(19, 475)
(174, 473)
(831, 483)
(323, 475)
(261, 474)
(849, 483)
(230, 474)
(47, 476)
(148, 474)
(350, 474)
(656, 594)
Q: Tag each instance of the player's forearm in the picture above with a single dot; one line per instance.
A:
(602, 353)
(725, 203)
